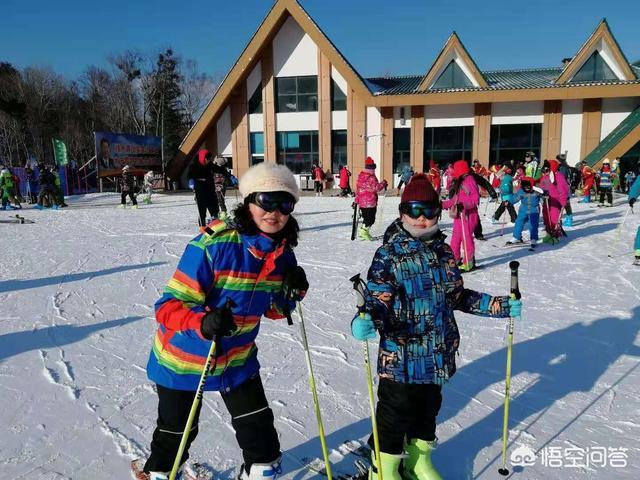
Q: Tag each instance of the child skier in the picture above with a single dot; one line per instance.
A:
(148, 180)
(506, 197)
(462, 203)
(221, 177)
(606, 176)
(634, 193)
(251, 263)
(414, 286)
(344, 181)
(8, 190)
(529, 211)
(555, 186)
(367, 188)
(128, 187)
(405, 176)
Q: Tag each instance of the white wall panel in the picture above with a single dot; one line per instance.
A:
(508, 113)
(256, 122)
(374, 140)
(253, 80)
(571, 130)
(223, 128)
(339, 120)
(339, 79)
(297, 121)
(449, 115)
(614, 111)
(294, 53)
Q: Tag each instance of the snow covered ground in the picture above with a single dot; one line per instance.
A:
(77, 290)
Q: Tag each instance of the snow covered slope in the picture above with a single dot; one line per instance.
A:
(77, 290)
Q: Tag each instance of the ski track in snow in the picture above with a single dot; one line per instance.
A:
(77, 319)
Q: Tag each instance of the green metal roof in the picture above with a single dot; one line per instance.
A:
(615, 137)
(497, 80)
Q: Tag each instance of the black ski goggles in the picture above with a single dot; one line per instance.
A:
(416, 210)
(272, 201)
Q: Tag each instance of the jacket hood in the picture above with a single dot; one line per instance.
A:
(202, 156)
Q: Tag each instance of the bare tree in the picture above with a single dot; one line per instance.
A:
(197, 90)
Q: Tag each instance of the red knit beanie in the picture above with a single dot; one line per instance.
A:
(460, 168)
(419, 189)
(369, 163)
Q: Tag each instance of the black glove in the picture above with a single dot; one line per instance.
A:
(631, 202)
(217, 323)
(294, 282)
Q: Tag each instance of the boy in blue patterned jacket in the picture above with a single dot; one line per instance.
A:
(529, 211)
(229, 277)
(414, 286)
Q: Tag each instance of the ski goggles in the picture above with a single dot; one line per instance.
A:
(272, 201)
(416, 210)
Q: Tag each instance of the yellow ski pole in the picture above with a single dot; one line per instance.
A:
(196, 401)
(515, 293)
(314, 392)
(358, 287)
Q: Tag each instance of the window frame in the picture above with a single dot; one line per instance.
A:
(295, 94)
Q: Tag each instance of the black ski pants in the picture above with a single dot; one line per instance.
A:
(405, 411)
(123, 198)
(206, 200)
(251, 418)
(608, 192)
(477, 231)
(368, 216)
(509, 207)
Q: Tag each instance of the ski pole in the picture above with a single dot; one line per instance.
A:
(314, 392)
(359, 288)
(196, 401)
(515, 294)
(464, 239)
(619, 231)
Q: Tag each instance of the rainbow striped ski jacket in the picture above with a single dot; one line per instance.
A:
(218, 264)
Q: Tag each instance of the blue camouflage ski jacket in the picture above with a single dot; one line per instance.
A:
(414, 288)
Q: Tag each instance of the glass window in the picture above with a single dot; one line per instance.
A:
(338, 98)
(257, 143)
(297, 150)
(511, 142)
(255, 102)
(401, 148)
(445, 145)
(452, 77)
(338, 149)
(297, 94)
(256, 159)
(594, 69)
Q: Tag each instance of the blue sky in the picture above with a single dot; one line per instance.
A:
(398, 37)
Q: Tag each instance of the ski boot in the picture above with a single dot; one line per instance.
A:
(418, 465)
(146, 201)
(495, 221)
(513, 242)
(122, 205)
(637, 260)
(585, 199)
(261, 471)
(468, 267)
(364, 234)
(139, 474)
(222, 216)
(135, 206)
(390, 466)
(567, 221)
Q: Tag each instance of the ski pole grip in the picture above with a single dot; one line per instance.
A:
(357, 286)
(515, 289)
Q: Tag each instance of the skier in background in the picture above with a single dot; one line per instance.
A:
(529, 211)
(127, 187)
(485, 185)
(8, 190)
(462, 204)
(555, 186)
(318, 179)
(629, 178)
(606, 176)
(201, 173)
(148, 180)
(195, 309)
(47, 192)
(221, 177)
(414, 286)
(506, 197)
(405, 176)
(344, 185)
(367, 188)
(588, 175)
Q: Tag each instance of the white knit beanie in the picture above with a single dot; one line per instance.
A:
(268, 177)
